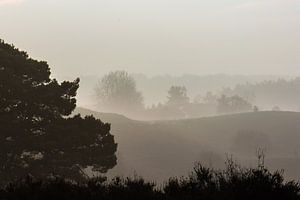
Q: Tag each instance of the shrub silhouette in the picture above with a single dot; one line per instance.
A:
(234, 182)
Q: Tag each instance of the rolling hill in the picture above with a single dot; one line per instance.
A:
(157, 150)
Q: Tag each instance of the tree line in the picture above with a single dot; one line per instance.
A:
(117, 92)
(273, 94)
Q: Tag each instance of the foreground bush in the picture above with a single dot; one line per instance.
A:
(203, 183)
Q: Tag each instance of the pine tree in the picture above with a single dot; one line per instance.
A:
(37, 136)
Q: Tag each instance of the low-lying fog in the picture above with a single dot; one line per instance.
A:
(191, 118)
(203, 92)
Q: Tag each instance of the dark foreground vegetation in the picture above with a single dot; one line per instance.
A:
(234, 182)
(37, 134)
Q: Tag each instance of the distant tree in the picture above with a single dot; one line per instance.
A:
(177, 96)
(233, 104)
(36, 135)
(116, 92)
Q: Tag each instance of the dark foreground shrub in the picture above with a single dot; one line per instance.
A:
(233, 183)
(59, 188)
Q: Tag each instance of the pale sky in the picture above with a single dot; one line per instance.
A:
(92, 37)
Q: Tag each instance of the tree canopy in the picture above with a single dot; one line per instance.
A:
(177, 96)
(233, 104)
(36, 135)
(116, 92)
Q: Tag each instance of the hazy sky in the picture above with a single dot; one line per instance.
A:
(157, 36)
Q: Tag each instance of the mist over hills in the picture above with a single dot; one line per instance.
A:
(155, 88)
(150, 99)
(160, 149)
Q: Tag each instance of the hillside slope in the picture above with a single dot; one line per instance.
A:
(160, 149)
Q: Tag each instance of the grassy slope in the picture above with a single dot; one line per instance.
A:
(160, 149)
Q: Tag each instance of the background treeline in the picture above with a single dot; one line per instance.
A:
(154, 88)
(232, 183)
(275, 94)
(117, 92)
